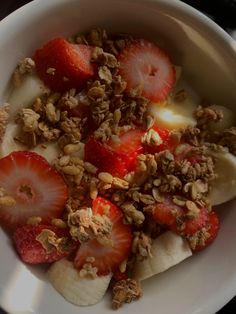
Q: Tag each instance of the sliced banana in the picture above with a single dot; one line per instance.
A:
(23, 96)
(79, 291)
(227, 121)
(223, 188)
(50, 151)
(173, 114)
(168, 250)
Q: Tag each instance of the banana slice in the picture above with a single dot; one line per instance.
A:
(172, 114)
(168, 250)
(50, 151)
(223, 188)
(24, 95)
(79, 291)
(227, 121)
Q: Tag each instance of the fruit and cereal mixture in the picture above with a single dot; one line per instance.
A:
(109, 168)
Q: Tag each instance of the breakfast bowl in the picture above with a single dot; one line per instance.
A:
(207, 56)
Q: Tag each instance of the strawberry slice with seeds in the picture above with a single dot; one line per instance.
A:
(62, 65)
(177, 219)
(212, 231)
(38, 244)
(144, 65)
(107, 258)
(117, 158)
(36, 187)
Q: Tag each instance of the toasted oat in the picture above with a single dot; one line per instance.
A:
(4, 116)
(90, 168)
(88, 271)
(29, 118)
(59, 223)
(25, 66)
(125, 291)
(105, 177)
(142, 245)
(51, 71)
(132, 215)
(120, 183)
(34, 220)
(52, 114)
(151, 138)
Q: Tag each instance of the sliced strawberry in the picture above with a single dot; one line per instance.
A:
(107, 258)
(37, 188)
(103, 158)
(144, 65)
(128, 147)
(174, 217)
(168, 142)
(213, 228)
(115, 158)
(61, 65)
(34, 247)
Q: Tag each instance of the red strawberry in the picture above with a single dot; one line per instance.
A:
(61, 65)
(171, 215)
(115, 158)
(31, 248)
(213, 225)
(37, 188)
(107, 258)
(143, 64)
(104, 158)
(128, 147)
(118, 275)
(167, 141)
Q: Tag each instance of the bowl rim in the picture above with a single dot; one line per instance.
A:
(194, 17)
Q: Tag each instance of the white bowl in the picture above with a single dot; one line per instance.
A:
(201, 284)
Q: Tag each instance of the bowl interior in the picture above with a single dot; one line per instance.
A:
(201, 284)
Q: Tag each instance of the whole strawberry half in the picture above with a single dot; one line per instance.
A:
(36, 187)
(107, 258)
(146, 66)
(117, 158)
(62, 65)
(38, 244)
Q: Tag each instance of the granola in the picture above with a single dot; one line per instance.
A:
(169, 172)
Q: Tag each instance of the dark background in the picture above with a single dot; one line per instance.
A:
(222, 12)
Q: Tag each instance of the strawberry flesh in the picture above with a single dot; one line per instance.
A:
(169, 214)
(107, 258)
(116, 158)
(32, 251)
(37, 188)
(62, 65)
(168, 142)
(145, 65)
